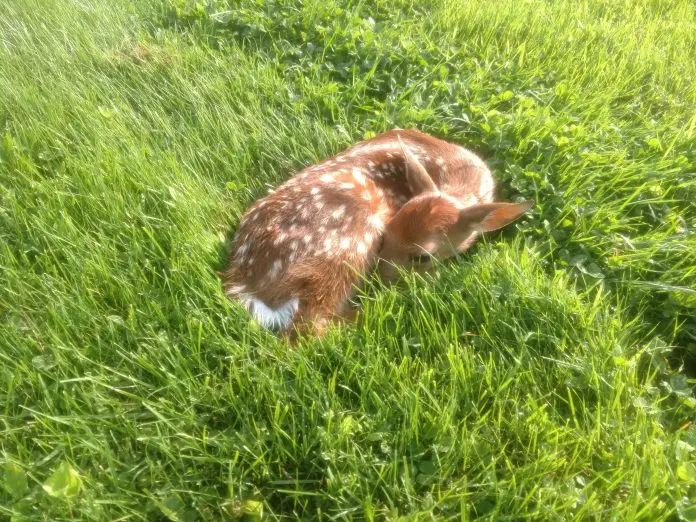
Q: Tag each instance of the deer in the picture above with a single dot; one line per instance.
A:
(401, 199)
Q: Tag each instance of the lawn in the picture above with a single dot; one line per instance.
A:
(545, 374)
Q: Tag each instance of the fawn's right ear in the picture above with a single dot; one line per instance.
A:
(492, 216)
(419, 180)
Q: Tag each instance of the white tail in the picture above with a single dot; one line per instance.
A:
(299, 252)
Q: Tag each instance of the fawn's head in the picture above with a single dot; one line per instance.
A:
(437, 225)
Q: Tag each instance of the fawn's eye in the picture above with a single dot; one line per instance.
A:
(421, 258)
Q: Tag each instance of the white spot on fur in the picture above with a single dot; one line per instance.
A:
(327, 178)
(362, 248)
(269, 318)
(367, 195)
(347, 186)
(345, 243)
(307, 239)
(359, 176)
(315, 190)
(440, 161)
(376, 222)
(235, 289)
(339, 212)
(276, 268)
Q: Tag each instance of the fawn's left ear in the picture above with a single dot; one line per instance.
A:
(419, 180)
(492, 216)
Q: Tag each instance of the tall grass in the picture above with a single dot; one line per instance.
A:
(538, 376)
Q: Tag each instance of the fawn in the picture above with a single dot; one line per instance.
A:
(402, 197)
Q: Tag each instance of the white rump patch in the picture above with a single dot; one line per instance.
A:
(269, 318)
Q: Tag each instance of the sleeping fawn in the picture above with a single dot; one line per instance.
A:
(402, 197)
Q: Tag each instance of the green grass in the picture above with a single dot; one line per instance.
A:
(539, 376)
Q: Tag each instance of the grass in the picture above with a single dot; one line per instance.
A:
(543, 375)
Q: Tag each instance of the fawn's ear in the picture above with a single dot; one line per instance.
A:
(419, 180)
(492, 216)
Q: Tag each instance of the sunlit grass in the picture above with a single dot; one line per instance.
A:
(537, 377)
